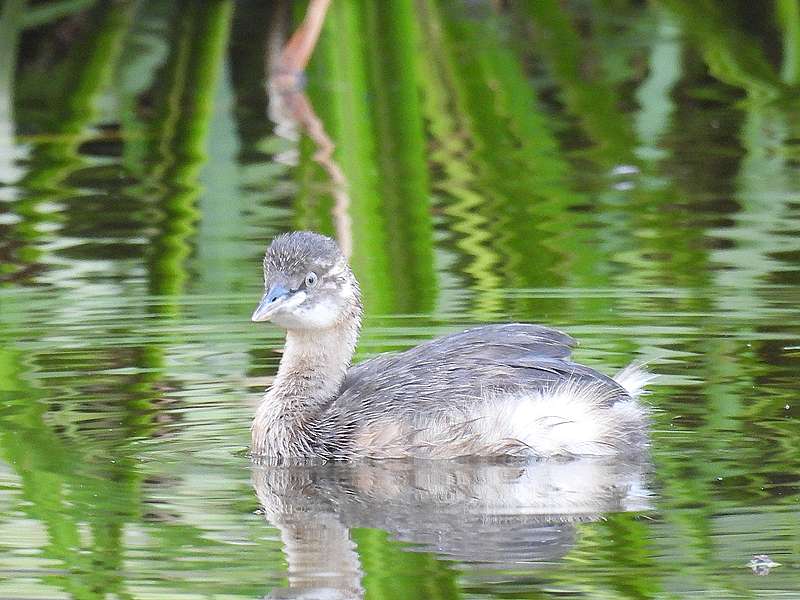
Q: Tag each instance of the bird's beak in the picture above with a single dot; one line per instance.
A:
(270, 303)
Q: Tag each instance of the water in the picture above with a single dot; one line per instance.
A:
(627, 173)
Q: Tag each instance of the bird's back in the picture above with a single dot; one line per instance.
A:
(496, 389)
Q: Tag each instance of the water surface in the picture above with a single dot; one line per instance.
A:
(625, 172)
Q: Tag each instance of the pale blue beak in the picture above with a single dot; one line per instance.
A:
(270, 302)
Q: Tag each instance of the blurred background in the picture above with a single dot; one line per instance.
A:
(627, 171)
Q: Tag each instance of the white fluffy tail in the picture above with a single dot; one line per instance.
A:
(634, 378)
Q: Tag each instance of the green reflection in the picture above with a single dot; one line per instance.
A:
(393, 574)
(179, 142)
(625, 171)
(374, 117)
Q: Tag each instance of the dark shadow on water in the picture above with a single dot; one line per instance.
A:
(491, 516)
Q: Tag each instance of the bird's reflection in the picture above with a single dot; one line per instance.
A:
(496, 515)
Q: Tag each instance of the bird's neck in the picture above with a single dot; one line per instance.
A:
(310, 374)
(314, 363)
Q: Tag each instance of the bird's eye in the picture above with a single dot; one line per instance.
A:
(311, 279)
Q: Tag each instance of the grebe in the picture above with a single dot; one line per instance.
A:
(492, 391)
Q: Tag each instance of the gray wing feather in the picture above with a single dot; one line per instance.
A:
(500, 342)
(457, 370)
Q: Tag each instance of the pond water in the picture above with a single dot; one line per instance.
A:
(626, 172)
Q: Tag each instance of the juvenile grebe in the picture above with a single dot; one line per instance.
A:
(493, 391)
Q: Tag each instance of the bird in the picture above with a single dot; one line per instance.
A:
(497, 391)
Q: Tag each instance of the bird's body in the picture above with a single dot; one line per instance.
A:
(493, 391)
